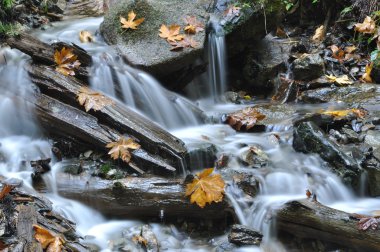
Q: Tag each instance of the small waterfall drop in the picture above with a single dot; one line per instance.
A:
(142, 92)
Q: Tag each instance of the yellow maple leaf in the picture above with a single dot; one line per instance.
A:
(367, 75)
(206, 188)
(367, 27)
(120, 149)
(341, 80)
(171, 34)
(66, 61)
(131, 23)
(360, 113)
(92, 100)
(85, 36)
(48, 241)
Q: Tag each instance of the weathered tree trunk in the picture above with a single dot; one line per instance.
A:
(63, 121)
(137, 197)
(309, 219)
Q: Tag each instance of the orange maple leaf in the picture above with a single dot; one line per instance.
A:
(47, 240)
(186, 42)
(171, 33)
(66, 61)
(206, 188)
(131, 23)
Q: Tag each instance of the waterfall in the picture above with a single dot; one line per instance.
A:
(142, 92)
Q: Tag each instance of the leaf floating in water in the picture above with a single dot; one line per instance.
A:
(206, 188)
(48, 241)
(66, 61)
(131, 23)
(247, 117)
(93, 100)
(85, 37)
(120, 149)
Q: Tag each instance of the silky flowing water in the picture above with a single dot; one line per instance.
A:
(288, 176)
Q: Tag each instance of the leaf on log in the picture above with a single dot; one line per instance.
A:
(131, 23)
(48, 241)
(247, 117)
(369, 222)
(93, 100)
(171, 33)
(206, 188)
(5, 191)
(193, 25)
(66, 61)
(120, 149)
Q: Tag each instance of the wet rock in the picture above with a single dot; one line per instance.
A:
(202, 155)
(147, 234)
(247, 182)
(372, 166)
(254, 156)
(84, 8)
(265, 61)
(243, 236)
(308, 67)
(372, 138)
(286, 92)
(143, 47)
(358, 94)
(40, 167)
(309, 138)
(3, 223)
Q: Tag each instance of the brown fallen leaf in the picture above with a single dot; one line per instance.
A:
(368, 223)
(206, 188)
(367, 75)
(350, 49)
(360, 113)
(85, 37)
(48, 241)
(338, 53)
(188, 41)
(247, 117)
(130, 23)
(308, 193)
(120, 149)
(171, 34)
(341, 80)
(367, 27)
(319, 34)
(140, 240)
(66, 61)
(93, 100)
(281, 33)
(193, 25)
(5, 191)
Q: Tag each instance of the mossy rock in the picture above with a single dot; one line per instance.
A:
(143, 47)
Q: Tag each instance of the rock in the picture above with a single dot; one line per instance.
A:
(308, 67)
(287, 90)
(147, 234)
(357, 94)
(243, 236)
(202, 155)
(265, 61)
(372, 138)
(143, 47)
(254, 156)
(247, 182)
(372, 166)
(83, 8)
(309, 138)
(3, 223)
(40, 167)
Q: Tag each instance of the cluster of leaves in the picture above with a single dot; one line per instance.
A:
(66, 61)
(247, 117)
(93, 100)
(179, 41)
(206, 188)
(120, 149)
(47, 240)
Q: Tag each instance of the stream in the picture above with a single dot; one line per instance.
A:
(286, 178)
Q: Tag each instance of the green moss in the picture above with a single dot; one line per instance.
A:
(9, 29)
(104, 169)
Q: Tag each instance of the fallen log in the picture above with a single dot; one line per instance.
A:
(117, 116)
(137, 197)
(310, 219)
(60, 120)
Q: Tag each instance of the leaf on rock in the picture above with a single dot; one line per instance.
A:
(93, 100)
(206, 188)
(367, 75)
(247, 117)
(319, 34)
(66, 61)
(171, 34)
(232, 11)
(193, 25)
(368, 223)
(188, 41)
(130, 23)
(85, 37)
(360, 113)
(338, 53)
(341, 80)
(48, 241)
(367, 27)
(5, 191)
(120, 149)
(140, 240)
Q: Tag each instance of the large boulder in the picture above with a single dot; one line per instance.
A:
(143, 47)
